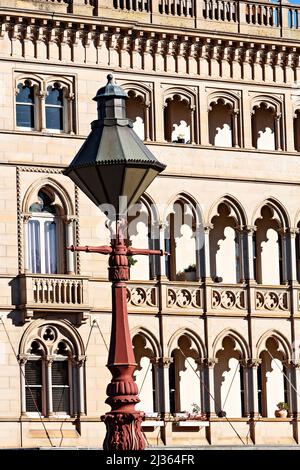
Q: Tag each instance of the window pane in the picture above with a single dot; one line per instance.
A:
(60, 373)
(50, 248)
(33, 372)
(33, 380)
(34, 399)
(25, 94)
(54, 96)
(34, 246)
(61, 399)
(60, 386)
(25, 115)
(54, 118)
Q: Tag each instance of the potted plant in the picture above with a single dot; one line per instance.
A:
(190, 272)
(282, 411)
(196, 413)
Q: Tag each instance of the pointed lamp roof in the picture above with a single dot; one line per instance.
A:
(113, 166)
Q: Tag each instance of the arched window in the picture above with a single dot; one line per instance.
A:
(139, 111)
(272, 382)
(179, 120)
(223, 123)
(25, 105)
(185, 377)
(43, 236)
(144, 374)
(182, 242)
(54, 108)
(139, 231)
(52, 373)
(266, 126)
(229, 380)
(34, 379)
(225, 250)
(270, 249)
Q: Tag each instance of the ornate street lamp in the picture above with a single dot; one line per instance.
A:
(113, 168)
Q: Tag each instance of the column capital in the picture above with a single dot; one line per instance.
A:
(163, 362)
(211, 361)
(254, 362)
(80, 360)
(26, 218)
(250, 229)
(68, 219)
(22, 359)
(49, 360)
(208, 227)
(293, 231)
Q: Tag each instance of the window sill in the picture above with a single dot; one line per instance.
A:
(192, 424)
(55, 418)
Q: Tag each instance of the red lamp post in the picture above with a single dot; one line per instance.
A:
(114, 167)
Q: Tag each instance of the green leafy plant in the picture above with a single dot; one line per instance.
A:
(131, 261)
(196, 408)
(190, 269)
(282, 406)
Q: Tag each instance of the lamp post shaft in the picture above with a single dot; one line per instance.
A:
(123, 422)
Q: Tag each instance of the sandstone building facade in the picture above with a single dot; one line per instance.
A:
(214, 91)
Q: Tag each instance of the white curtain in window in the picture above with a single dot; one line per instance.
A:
(50, 248)
(34, 246)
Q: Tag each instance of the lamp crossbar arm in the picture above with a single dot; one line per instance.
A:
(107, 250)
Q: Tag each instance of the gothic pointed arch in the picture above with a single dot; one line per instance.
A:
(275, 353)
(49, 226)
(52, 357)
(184, 238)
(227, 220)
(224, 119)
(180, 122)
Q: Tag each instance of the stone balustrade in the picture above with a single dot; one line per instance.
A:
(81, 294)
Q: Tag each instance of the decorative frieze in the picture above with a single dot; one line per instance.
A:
(141, 296)
(184, 298)
(228, 299)
(272, 300)
(110, 46)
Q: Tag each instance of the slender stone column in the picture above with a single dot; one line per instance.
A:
(42, 110)
(80, 365)
(69, 221)
(162, 259)
(147, 130)
(235, 128)
(26, 218)
(249, 261)
(292, 233)
(213, 407)
(207, 229)
(253, 387)
(277, 122)
(49, 362)
(295, 376)
(162, 383)
(246, 371)
(22, 362)
(199, 241)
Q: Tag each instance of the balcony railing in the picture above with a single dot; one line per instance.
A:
(78, 294)
(48, 292)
